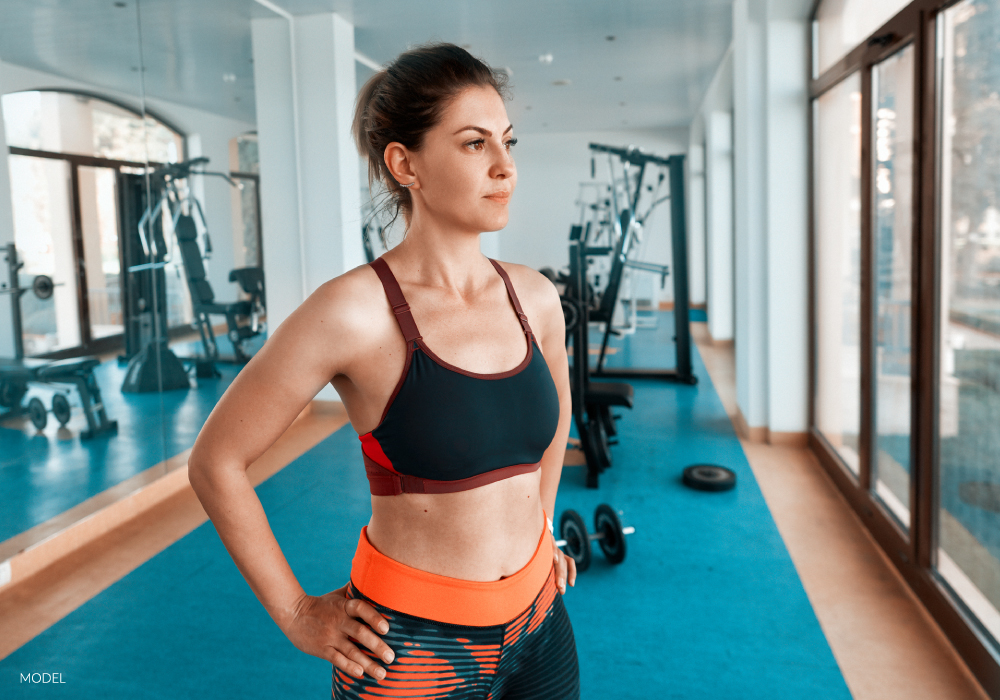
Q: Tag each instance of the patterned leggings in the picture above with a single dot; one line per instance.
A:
(532, 656)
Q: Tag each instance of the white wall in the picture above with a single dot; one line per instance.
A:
(550, 168)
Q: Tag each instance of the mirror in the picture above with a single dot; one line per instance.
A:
(75, 147)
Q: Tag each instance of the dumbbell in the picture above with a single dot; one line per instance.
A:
(610, 535)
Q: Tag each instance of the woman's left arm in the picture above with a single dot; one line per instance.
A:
(549, 327)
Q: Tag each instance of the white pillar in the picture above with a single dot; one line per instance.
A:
(331, 186)
(277, 149)
(310, 182)
(749, 21)
(787, 296)
(719, 223)
(696, 220)
(6, 236)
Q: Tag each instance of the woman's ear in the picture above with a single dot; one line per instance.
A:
(397, 159)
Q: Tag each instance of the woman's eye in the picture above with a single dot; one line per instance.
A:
(510, 142)
(475, 145)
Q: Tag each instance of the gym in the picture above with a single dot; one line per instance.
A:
(774, 228)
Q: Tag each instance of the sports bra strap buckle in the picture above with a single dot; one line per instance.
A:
(401, 308)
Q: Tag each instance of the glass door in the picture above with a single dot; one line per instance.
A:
(98, 192)
(41, 193)
(892, 240)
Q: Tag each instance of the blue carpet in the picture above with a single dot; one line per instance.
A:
(707, 605)
(44, 474)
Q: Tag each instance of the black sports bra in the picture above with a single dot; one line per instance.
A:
(445, 429)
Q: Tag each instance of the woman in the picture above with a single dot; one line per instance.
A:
(462, 407)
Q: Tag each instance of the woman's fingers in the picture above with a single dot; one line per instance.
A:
(560, 565)
(345, 664)
(358, 608)
(360, 661)
(363, 635)
(571, 570)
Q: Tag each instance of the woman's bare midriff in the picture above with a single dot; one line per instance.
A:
(483, 534)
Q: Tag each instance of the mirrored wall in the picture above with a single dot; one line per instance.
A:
(131, 249)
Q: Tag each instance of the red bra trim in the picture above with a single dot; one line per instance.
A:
(383, 482)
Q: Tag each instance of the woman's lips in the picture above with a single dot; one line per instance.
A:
(499, 197)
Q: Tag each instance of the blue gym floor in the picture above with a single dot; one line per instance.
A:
(45, 474)
(707, 605)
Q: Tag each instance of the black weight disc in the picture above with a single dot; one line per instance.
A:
(60, 408)
(42, 286)
(709, 477)
(36, 411)
(571, 315)
(574, 531)
(599, 442)
(606, 523)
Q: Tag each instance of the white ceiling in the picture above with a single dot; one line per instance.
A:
(651, 75)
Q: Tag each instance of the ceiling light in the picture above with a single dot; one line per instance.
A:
(545, 58)
(229, 77)
(562, 81)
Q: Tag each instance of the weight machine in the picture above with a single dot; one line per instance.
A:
(177, 203)
(17, 373)
(627, 225)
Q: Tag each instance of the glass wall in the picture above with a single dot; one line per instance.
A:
(906, 238)
(968, 555)
(838, 267)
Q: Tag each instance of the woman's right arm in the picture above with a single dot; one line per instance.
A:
(300, 357)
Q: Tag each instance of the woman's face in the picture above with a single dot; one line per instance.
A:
(464, 169)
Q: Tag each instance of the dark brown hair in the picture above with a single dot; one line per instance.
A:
(405, 100)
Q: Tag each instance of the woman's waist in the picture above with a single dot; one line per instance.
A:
(479, 535)
(442, 589)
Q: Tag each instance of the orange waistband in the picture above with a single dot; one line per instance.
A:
(445, 599)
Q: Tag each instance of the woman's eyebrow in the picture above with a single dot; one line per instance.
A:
(484, 132)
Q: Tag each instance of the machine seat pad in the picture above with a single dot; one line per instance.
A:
(64, 368)
(240, 308)
(609, 394)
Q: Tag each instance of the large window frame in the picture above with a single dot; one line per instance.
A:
(913, 550)
(74, 161)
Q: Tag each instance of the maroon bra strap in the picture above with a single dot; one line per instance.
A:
(396, 299)
(513, 298)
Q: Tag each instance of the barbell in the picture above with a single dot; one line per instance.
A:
(610, 536)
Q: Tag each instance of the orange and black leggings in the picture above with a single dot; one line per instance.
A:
(466, 640)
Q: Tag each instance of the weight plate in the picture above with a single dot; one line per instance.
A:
(709, 477)
(60, 408)
(606, 523)
(599, 442)
(36, 411)
(571, 315)
(42, 286)
(574, 531)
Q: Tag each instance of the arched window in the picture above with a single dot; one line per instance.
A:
(68, 155)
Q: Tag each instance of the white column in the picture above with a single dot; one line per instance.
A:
(6, 236)
(787, 296)
(331, 186)
(750, 144)
(309, 166)
(696, 220)
(277, 148)
(719, 223)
